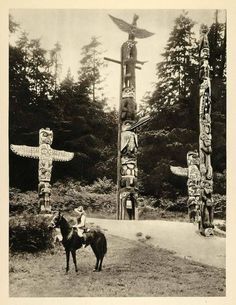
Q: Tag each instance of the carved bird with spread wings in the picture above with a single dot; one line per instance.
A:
(131, 29)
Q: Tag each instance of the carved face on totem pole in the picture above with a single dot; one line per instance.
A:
(45, 169)
(44, 187)
(192, 158)
(45, 136)
(207, 186)
(194, 176)
(204, 71)
(206, 142)
(129, 172)
(128, 105)
(205, 136)
(193, 188)
(128, 109)
(205, 54)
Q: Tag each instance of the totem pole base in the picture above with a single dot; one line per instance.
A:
(208, 232)
(45, 209)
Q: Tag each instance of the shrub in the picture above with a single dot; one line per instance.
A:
(29, 233)
(220, 205)
(100, 196)
(101, 186)
(23, 202)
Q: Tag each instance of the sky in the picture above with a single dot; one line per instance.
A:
(74, 28)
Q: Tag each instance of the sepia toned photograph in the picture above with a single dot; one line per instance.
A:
(117, 152)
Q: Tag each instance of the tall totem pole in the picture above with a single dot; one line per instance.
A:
(127, 170)
(205, 147)
(199, 171)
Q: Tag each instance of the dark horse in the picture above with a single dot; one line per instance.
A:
(72, 241)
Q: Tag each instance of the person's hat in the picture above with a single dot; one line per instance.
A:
(80, 209)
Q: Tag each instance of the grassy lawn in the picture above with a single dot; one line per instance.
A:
(131, 268)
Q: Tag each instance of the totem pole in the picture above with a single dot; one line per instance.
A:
(199, 171)
(205, 148)
(46, 156)
(127, 170)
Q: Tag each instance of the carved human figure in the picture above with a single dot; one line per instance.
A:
(129, 202)
(128, 109)
(44, 191)
(194, 209)
(205, 139)
(129, 59)
(205, 147)
(128, 105)
(208, 204)
(194, 185)
(129, 140)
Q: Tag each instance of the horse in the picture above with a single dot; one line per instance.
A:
(72, 241)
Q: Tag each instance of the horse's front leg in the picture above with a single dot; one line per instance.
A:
(100, 265)
(74, 259)
(67, 260)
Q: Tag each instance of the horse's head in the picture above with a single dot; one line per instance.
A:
(55, 223)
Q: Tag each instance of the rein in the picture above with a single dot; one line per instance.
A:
(69, 236)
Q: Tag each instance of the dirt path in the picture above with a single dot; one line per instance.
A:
(180, 237)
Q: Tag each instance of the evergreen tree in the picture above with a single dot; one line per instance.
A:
(55, 59)
(85, 129)
(217, 44)
(173, 130)
(30, 107)
(91, 65)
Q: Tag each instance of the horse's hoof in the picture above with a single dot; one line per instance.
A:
(95, 270)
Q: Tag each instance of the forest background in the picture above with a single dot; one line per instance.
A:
(76, 109)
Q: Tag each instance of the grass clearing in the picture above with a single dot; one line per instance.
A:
(131, 269)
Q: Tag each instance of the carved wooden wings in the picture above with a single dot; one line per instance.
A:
(25, 151)
(126, 27)
(33, 152)
(140, 122)
(179, 171)
(61, 155)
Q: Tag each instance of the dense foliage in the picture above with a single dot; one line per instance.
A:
(76, 111)
(174, 128)
(31, 234)
(77, 117)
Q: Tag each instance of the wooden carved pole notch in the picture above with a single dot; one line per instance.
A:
(127, 170)
(46, 155)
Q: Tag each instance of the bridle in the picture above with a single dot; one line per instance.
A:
(56, 221)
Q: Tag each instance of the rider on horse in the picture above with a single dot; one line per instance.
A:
(80, 225)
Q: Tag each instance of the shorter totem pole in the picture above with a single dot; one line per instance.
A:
(46, 155)
(199, 172)
(127, 171)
